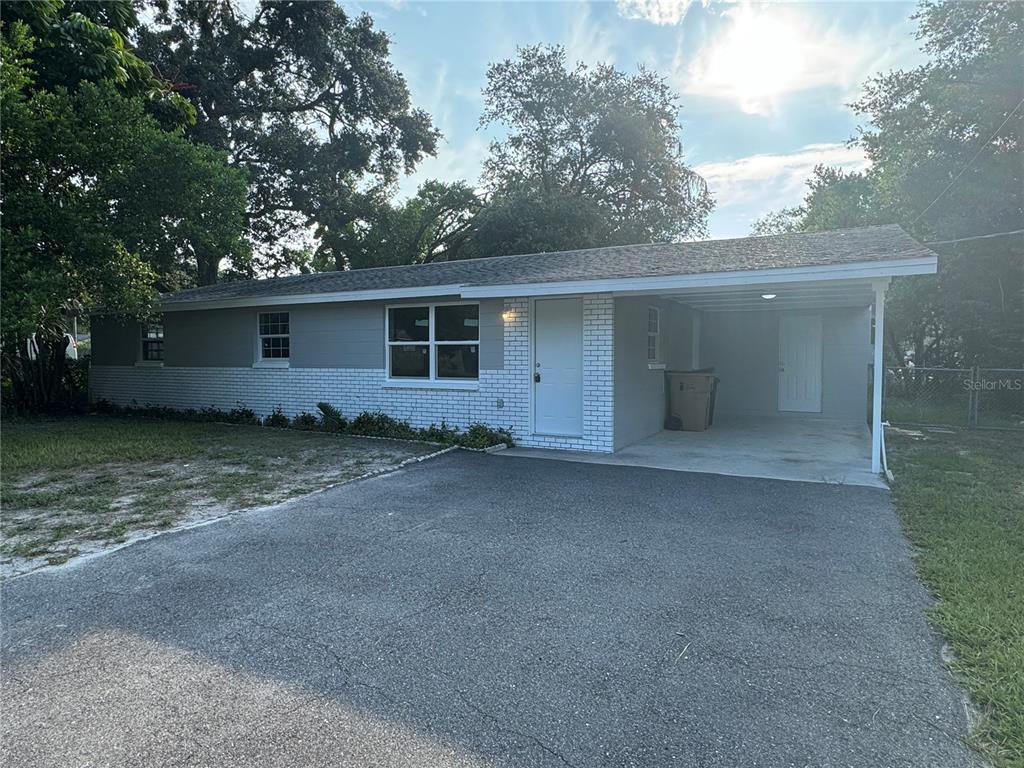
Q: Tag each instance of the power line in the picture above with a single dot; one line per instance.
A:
(969, 163)
(976, 237)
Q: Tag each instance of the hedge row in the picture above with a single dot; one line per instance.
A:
(329, 419)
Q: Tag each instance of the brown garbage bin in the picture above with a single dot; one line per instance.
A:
(691, 395)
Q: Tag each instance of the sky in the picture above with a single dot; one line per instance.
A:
(763, 87)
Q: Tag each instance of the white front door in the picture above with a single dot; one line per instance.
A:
(800, 363)
(558, 367)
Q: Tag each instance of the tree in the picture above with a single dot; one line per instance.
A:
(947, 162)
(594, 134)
(303, 98)
(78, 41)
(529, 221)
(835, 199)
(97, 200)
(436, 224)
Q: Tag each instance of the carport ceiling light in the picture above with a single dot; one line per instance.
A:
(767, 295)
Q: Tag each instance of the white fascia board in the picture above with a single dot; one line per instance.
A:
(926, 265)
(315, 298)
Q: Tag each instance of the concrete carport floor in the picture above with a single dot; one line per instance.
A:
(787, 447)
(484, 612)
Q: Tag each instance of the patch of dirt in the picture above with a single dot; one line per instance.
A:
(50, 518)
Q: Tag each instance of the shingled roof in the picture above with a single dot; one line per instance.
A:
(843, 246)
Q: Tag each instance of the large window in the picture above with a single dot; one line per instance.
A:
(435, 341)
(152, 343)
(274, 336)
(653, 334)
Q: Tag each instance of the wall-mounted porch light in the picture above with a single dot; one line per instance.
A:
(767, 295)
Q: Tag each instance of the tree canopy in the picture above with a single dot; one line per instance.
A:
(605, 138)
(101, 203)
(436, 224)
(947, 163)
(303, 97)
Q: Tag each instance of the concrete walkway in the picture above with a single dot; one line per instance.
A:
(784, 448)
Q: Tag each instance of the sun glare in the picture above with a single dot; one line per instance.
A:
(763, 55)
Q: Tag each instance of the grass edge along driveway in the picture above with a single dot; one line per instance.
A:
(960, 497)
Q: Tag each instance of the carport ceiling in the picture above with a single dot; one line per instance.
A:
(822, 295)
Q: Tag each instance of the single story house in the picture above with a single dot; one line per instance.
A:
(567, 349)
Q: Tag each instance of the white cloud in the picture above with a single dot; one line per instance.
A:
(776, 180)
(662, 12)
(586, 41)
(766, 52)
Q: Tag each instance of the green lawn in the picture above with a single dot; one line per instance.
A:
(961, 499)
(78, 484)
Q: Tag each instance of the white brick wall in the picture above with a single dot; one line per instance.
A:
(354, 390)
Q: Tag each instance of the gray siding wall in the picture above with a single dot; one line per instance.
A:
(640, 391)
(743, 347)
(340, 335)
(210, 339)
(114, 340)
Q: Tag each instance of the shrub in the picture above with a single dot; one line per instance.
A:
(482, 436)
(332, 418)
(242, 415)
(367, 423)
(379, 424)
(443, 434)
(277, 419)
(304, 421)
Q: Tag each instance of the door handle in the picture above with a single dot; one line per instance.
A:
(536, 378)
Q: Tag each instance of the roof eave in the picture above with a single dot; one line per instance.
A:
(873, 270)
(386, 294)
(869, 270)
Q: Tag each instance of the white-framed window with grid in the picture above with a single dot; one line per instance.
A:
(152, 343)
(653, 335)
(274, 331)
(433, 342)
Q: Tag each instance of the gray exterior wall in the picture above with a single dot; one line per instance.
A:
(209, 339)
(639, 390)
(743, 347)
(114, 340)
(340, 335)
(501, 397)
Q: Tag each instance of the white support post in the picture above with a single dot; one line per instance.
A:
(878, 376)
(694, 339)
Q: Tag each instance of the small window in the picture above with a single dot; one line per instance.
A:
(274, 336)
(434, 342)
(152, 343)
(653, 334)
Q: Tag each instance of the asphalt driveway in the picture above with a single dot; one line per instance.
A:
(485, 611)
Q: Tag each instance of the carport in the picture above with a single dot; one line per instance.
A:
(793, 362)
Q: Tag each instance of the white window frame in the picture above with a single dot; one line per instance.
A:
(272, 362)
(143, 330)
(656, 335)
(432, 343)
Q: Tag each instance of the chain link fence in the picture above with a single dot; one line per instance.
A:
(974, 398)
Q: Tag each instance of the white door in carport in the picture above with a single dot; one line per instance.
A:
(800, 363)
(558, 367)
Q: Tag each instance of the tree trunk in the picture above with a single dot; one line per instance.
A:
(209, 266)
